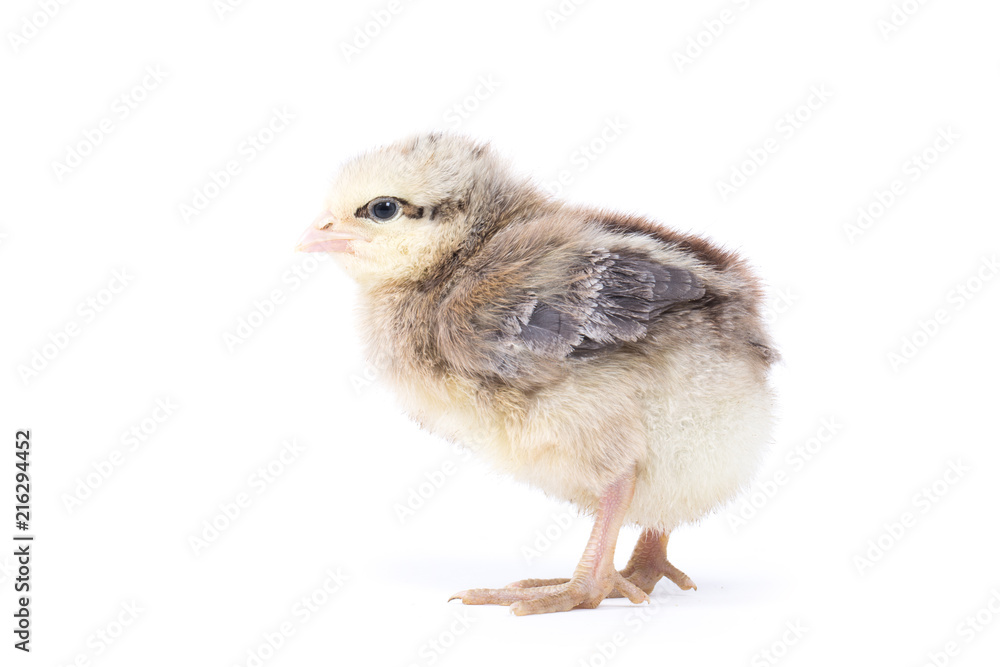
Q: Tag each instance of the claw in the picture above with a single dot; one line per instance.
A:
(629, 590)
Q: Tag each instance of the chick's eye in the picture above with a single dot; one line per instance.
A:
(384, 209)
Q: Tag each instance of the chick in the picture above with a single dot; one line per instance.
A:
(606, 360)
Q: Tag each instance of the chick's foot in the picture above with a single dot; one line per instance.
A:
(645, 568)
(595, 577)
(649, 563)
(583, 592)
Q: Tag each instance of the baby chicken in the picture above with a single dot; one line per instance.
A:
(597, 356)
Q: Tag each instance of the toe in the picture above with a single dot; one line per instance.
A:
(535, 583)
(563, 600)
(502, 596)
(682, 580)
(626, 588)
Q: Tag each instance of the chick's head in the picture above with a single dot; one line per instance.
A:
(397, 210)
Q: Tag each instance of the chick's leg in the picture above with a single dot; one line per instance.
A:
(595, 577)
(645, 568)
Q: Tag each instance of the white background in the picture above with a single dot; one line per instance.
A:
(842, 303)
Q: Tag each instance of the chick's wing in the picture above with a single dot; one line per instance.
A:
(525, 314)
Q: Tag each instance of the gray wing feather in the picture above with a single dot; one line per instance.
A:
(611, 300)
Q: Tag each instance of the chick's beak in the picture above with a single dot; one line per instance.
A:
(323, 236)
